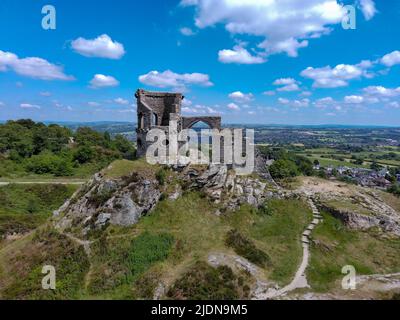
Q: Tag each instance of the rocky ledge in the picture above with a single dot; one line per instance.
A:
(124, 200)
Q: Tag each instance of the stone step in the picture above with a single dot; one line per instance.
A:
(306, 233)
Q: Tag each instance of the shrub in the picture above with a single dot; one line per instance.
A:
(99, 198)
(49, 163)
(395, 189)
(203, 282)
(84, 154)
(161, 176)
(247, 249)
(396, 296)
(282, 169)
(148, 249)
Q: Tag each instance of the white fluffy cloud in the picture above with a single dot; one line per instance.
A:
(187, 32)
(323, 102)
(241, 97)
(381, 92)
(121, 101)
(239, 55)
(169, 79)
(186, 103)
(283, 101)
(198, 108)
(103, 81)
(368, 8)
(339, 76)
(391, 59)
(29, 106)
(303, 103)
(288, 84)
(233, 106)
(284, 26)
(353, 99)
(32, 67)
(101, 47)
(394, 104)
(306, 94)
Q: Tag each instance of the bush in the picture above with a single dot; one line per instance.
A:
(304, 165)
(161, 176)
(247, 249)
(49, 163)
(84, 154)
(282, 169)
(148, 249)
(395, 189)
(203, 282)
(396, 296)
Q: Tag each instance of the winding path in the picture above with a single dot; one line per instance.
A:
(72, 182)
(300, 280)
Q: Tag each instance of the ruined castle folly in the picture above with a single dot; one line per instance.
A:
(157, 109)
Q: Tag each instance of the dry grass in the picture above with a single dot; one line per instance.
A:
(121, 168)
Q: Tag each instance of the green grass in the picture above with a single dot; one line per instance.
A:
(120, 263)
(391, 200)
(21, 270)
(203, 282)
(336, 246)
(198, 232)
(128, 263)
(348, 205)
(246, 248)
(25, 207)
(120, 168)
(325, 162)
(325, 157)
(14, 171)
(279, 233)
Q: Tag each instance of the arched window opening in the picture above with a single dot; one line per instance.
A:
(154, 119)
(141, 121)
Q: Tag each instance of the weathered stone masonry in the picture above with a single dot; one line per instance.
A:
(157, 109)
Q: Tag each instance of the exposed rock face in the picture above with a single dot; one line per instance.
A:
(360, 221)
(119, 202)
(225, 186)
(125, 200)
(357, 207)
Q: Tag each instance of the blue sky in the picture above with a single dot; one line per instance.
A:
(252, 61)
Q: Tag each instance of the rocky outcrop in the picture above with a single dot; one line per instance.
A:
(102, 201)
(363, 222)
(123, 201)
(357, 207)
(224, 186)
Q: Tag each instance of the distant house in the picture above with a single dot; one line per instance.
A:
(383, 172)
(382, 182)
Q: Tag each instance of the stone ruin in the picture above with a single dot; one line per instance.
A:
(157, 109)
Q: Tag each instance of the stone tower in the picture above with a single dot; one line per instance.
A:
(156, 109)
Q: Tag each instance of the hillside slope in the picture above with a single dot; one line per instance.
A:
(136, 231)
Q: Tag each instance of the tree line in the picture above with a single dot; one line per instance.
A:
(33, 147)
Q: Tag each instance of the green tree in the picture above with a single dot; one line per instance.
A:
(282, 169)
(84, 154)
